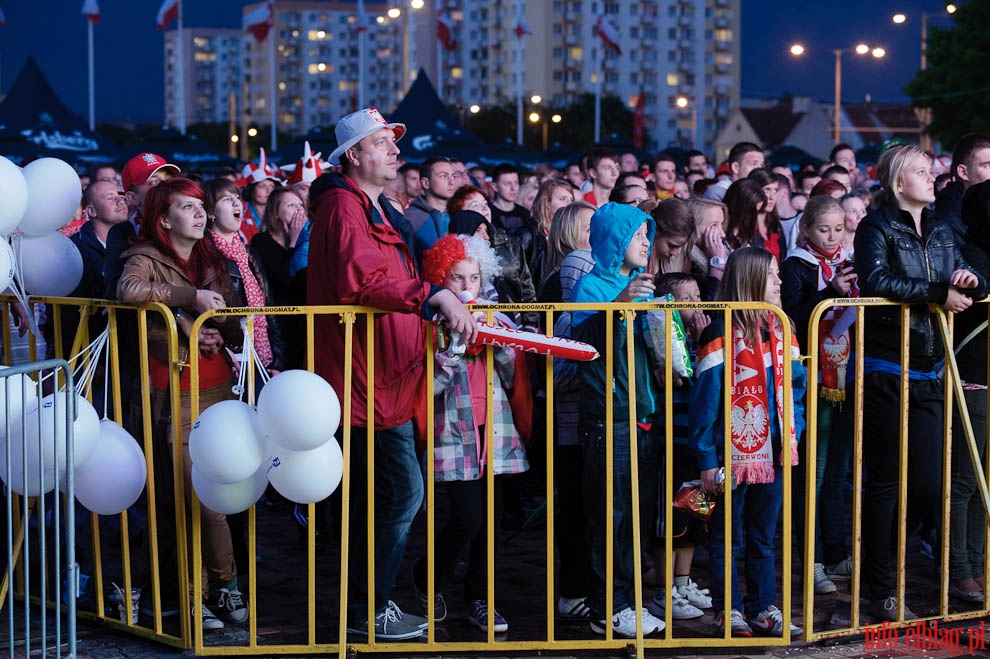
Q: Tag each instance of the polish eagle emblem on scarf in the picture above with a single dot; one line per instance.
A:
(749, 425)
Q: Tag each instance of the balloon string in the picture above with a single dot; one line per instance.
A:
(92, 364)
(106, 373)
(249, 359)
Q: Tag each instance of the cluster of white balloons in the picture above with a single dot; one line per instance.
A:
(36, 201)
(109, 465)
(288, 442)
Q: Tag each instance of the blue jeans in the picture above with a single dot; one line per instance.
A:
(755, 509)
(398, 495)
(594, 441)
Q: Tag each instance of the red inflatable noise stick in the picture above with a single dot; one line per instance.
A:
(554, 346)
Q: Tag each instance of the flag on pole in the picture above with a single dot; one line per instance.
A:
(259, 21)
(445, 32)
(608, 34)
(521, 28)
(639, 119)
(92, 11)
(361, 24)
(168, 12)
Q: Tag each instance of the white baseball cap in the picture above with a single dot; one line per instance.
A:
(358, 125)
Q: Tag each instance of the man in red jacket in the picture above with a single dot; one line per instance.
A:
(361, 253)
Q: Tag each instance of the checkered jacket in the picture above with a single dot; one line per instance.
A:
(459, 453)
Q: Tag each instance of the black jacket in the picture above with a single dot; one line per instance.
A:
(894, 262)
(799, 294)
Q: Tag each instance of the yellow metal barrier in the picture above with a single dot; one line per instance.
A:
(953, 393)
(323, 634)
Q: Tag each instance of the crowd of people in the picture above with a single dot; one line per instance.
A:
(418, 241)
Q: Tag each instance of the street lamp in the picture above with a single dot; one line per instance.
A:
(860, 49)
(900, 19)
(682, 103)
(535, 118)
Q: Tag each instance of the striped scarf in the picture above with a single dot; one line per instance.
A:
(235, 250)
(835, 340)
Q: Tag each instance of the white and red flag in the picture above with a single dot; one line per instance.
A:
(521, 28)
(445, 32)
(168, 12)
(91, 11)
(259, 21)
(608, 34)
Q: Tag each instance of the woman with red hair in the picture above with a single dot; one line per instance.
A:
(171, 263)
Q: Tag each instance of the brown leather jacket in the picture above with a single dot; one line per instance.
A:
(150, 276)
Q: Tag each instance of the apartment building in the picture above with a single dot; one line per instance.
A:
(212, 68)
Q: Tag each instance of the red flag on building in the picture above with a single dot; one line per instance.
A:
(168, 12)
(445, 32)
(639, 119)
(608, 34)
(259, 21)
(92, 11)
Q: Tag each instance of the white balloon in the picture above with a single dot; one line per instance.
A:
(14, 193)
(112, 479)
(18, 394)
(54, 193)
(226, 443)
(6, 264)
(298, 410)
(305, 476)
(44, 427)
(49, 265)
(232, 498)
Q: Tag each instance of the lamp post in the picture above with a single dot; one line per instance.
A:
(899, 19)
(682, 103)
(535, 118)
(860, 49)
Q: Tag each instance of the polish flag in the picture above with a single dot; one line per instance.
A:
(168, 12)
(608, 34)
(445, 32)
(521, 28)
(259, 21)
(92, 11)
(639, 119)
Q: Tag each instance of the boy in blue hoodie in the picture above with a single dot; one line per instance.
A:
(621, 241)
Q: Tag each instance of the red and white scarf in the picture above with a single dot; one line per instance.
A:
(750, 417)
(834, 341)
(235, 250)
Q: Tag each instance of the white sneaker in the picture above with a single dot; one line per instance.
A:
(210, 621)
(823, 585)
(624, 623)
(680, 608)
(700, 597)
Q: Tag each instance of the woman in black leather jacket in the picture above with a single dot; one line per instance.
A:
(905, 254)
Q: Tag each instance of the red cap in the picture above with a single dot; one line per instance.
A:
(139, 168)
(724, 168)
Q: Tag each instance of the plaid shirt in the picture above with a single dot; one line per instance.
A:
(459, 451)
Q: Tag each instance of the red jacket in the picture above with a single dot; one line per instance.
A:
(354, 259)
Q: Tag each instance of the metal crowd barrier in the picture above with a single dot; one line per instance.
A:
(40, 561)
(323, 632)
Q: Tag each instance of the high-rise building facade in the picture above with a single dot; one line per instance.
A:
(211, 67)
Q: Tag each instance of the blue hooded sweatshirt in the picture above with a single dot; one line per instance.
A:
(612, 229)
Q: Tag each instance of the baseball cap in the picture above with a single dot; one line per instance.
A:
(140, 168)
(358, 125)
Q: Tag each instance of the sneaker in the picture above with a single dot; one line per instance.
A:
(439, 603)
(573, 609)
(624, 623)
(478, 616)
(390, 625)
(210, 621)
(886, 610)
(680, 608)
(841, 571)
(231, 602)
(736, 621)
(770, 622)
(408, 618)
(823, 585)
(700, 597)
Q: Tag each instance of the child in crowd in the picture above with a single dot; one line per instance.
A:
(464, 446)
(621, 243)
(819, 268)
(759, 444)
(687, 598)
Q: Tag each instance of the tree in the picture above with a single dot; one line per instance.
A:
(955, 85)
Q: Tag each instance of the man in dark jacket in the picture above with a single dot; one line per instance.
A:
(360, 254)
(970, 165)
